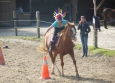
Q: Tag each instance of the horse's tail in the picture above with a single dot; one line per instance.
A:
(42, 47)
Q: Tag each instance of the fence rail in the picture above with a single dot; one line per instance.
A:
(16, 21)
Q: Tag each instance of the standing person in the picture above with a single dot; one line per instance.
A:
(84, 28)
(58, 26)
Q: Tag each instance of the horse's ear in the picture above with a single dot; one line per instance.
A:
(73, 22)
(68, 23)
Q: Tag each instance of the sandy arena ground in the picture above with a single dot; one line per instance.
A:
(24, 65)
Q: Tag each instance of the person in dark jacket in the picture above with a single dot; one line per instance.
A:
(84, 28)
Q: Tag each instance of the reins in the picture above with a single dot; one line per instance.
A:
(67, 27)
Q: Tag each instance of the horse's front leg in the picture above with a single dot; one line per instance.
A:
(105, 22)
(56, 68)
(62, 64)
(53, 63)
(74, 61)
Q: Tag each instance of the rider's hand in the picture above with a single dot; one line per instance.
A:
(80, 22)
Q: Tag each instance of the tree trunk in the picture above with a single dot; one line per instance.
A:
(74, 10)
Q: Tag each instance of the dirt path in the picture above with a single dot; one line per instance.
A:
(24, 65)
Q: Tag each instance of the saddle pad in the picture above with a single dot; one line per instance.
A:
(50, 38)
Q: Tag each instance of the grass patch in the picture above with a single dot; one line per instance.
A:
(92, 49)
(78, 46)
(23, 38)
(97, 51)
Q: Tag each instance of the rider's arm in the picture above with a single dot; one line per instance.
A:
(48, 29)
(53, 25)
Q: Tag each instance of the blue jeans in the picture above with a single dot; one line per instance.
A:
(84, 40)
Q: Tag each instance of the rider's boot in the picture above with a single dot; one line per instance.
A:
(51, 46)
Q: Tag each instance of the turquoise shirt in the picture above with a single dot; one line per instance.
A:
(55, 24)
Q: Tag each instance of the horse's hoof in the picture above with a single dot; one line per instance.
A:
(77, 76)
(52, 73)
(63, 75)
(106, 28)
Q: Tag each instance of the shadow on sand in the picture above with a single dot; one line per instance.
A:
(88, 80)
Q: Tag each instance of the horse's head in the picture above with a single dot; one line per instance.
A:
(71, 31)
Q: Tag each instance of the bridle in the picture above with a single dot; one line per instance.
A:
(74, 32)
(71, 30)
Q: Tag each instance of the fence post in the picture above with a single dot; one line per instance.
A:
(38, 23)
(95, 31)
(15, 24)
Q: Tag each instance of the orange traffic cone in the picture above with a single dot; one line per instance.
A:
(45, 71)
(1, 58)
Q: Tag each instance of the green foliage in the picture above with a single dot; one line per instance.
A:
(78, 46)
(97, 51)
(23, 37)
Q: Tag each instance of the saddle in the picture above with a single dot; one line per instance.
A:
(57, 38)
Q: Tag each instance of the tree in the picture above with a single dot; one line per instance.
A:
(74, 9)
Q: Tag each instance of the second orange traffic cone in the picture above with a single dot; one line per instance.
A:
(45, 71)
(2, 62)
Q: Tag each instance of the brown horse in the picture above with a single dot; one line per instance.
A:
(108, 13)
(64, 47)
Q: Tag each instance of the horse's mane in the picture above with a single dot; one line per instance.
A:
(71, 23)
(68, 24)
